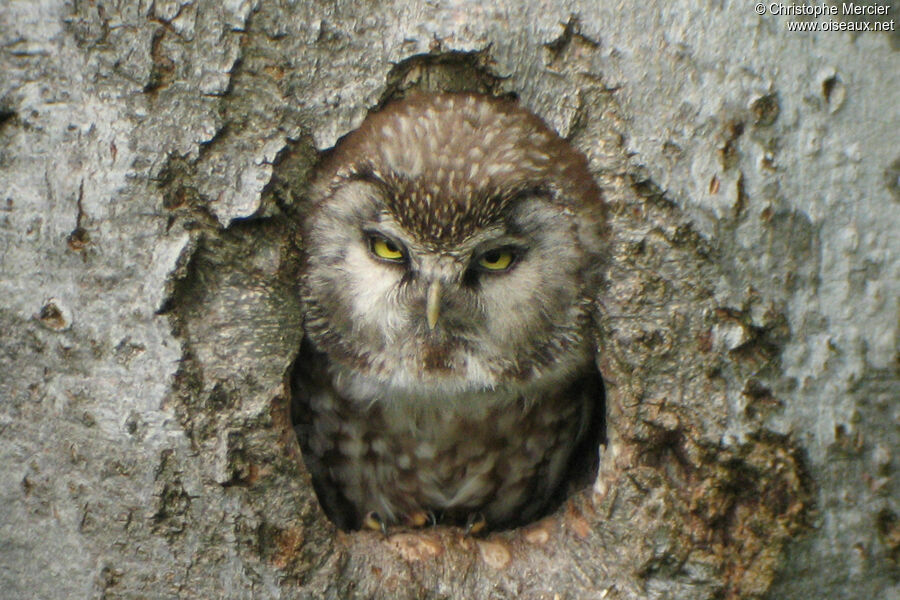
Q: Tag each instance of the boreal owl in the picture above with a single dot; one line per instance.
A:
(452, 248)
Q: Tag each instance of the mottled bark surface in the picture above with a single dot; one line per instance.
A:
(150, 159)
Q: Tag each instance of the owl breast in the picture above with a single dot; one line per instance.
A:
(501, 460)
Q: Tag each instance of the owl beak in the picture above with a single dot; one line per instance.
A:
(433, 307)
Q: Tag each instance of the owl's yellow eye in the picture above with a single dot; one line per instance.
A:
(385, 249)
(496, 260)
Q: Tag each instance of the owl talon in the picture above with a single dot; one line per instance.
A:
(420, 518)
(475, 524)
(374, 522)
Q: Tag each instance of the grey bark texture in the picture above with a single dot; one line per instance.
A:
(150, 160)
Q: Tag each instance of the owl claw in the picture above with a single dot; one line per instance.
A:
(475, 524)
(374, 522)
(420, 518)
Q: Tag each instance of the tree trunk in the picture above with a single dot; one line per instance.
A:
(152, 154)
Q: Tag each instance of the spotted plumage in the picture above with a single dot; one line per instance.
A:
(452, 244)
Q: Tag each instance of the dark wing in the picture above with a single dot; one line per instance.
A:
(309, 380)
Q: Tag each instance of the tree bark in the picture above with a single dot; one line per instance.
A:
(151, 156)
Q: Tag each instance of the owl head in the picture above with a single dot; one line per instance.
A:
(451, 249)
